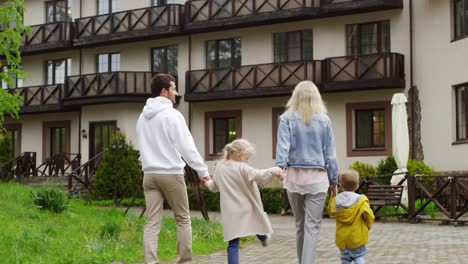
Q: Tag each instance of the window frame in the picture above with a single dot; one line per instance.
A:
(109, 60)
(459, 140)
(352, 151)
(17, 127)
(209, 129)
(46, 126)
(288, 34)
(233, 52)
(165, 52)
(155, 2)
(68, 17)
(380, 44)
(68, 62)
(464, 24)
(110, 11)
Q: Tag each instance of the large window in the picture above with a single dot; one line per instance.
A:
(165, 60)
(58, 11)
(107, 6)
(223, 53)
(461, 98)
(368, 38)
(158, 2)
(14, 135)
(56, 138)
(221, 128)
(460, 8)
(108, 62)
(368, 129)
(293, 46)
(57, 71)
(15, 81)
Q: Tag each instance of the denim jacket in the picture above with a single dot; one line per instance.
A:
(307, 146)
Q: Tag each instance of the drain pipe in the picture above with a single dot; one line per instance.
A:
(413, 122)
(186, 76)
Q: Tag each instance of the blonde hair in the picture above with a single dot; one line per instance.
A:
(241, 147)
(349, 180)
(306, 100)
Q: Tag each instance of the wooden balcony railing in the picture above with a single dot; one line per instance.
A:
(60, 164)
(79, 179)
(129, 25)
(107, 87)
(209, 15)
(19, 167)
(383, 70)
(41, 98)
(250, 81)
(50, 37)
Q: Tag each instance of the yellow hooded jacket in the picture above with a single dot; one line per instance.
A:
(353, 223)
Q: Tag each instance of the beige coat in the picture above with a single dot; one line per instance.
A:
(241, 206)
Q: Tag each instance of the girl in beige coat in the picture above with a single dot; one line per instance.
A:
(242, 211)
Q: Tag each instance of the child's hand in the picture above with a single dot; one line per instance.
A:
(279, 173)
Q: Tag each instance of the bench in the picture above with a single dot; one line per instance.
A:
(384, 195)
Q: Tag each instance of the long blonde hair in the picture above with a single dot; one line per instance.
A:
(306, 100)
(240, 147)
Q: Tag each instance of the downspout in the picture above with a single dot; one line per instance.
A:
(80, 72)
(413, 122)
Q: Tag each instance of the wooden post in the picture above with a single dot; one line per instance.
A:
(411, 195)
(453, 198)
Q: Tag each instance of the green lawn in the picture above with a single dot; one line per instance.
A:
(30, 235)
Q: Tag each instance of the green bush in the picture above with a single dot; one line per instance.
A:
(109, 229)
(430, 210)
(419, 167)
(121, 162)
(364, 169)
(386, 167)
(50, 198)
(5, 148)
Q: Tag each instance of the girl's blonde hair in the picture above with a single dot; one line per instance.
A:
(241, 147)
(306, 100)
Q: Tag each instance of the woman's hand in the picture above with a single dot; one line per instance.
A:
(333, 190)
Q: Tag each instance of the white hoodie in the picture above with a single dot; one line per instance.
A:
(164, 139)
(346, 200)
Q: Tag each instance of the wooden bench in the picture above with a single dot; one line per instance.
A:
(384, 195)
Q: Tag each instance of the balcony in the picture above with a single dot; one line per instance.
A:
(271, 79)
(39, 99)
(363, 72)
(109, 87)
(338, 74)
(130, 25)
(48, 37)
(211, 15)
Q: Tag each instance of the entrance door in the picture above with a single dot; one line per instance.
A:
(100, 136)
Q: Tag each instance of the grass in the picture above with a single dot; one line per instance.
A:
(84, 233)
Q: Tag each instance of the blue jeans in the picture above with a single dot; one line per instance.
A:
(233, 249)
(357, 254)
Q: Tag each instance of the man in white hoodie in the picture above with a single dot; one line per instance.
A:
(163, 140)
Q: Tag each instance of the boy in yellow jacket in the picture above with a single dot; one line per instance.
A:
(354, 219)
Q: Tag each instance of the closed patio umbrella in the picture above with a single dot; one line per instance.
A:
(400, 141)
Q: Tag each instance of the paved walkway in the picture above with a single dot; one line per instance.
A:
(389, 243)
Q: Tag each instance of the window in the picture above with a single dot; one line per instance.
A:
(158, 2)
(461, 97)
(14, 134)
(275, 116)
(460, 8)
(56, 138)
(223, 53)
(165, 60)
(367, 38)
(57, 71)
(109, 62)
(58, 11)
(221, 128)
(16, 82)
(293, 46)
(368, 129)
(107, 6)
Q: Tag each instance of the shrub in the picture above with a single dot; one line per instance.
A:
(121, 162)
(430, 210)
(5, 148)
(109, 229)
(386, 167)
(364, 170)
(50, 198)
(419, 167)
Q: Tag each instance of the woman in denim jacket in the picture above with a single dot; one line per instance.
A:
(306, 149)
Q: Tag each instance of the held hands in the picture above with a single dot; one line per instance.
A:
(333, 190)
(205, 179)
(280, 173)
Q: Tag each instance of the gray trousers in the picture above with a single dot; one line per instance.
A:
(307, 211)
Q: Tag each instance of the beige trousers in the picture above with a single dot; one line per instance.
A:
(158, 187)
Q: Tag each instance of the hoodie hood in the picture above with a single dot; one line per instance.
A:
(347, 215)
(156, 105)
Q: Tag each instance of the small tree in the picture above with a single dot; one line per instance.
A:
(12, 29)
(119, 160)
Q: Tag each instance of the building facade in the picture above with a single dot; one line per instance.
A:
(90, 63)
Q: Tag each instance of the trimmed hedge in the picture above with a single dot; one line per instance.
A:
(271, 198)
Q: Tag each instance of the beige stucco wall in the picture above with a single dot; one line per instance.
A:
(439, 64)
(32, 131)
